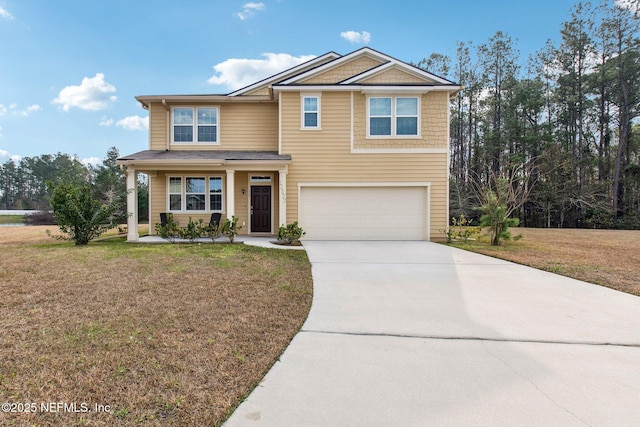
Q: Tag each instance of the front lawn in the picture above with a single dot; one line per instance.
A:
(605, 257)
(156, 334)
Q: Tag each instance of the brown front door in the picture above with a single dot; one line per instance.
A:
(261, 209)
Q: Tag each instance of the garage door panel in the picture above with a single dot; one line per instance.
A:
(364, 213)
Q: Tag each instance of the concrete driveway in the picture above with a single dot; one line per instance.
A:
(416, 333)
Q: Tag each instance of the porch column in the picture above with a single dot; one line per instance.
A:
(282, 191)
(231, 188)
(132, 204)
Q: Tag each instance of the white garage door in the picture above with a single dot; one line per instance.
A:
(364, 213)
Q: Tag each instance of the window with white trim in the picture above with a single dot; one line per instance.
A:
(215, 193)
(175, 193)
(197, 125)
(195, 194)
(189, 194)
(310, 112)
(393, 116)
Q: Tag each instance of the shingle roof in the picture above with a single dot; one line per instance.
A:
(148, 156)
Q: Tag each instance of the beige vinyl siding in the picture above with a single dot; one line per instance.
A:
(395, 76)
(158, 117)
(344, 71)
(243, 126)
(434, 125)
(325, 156)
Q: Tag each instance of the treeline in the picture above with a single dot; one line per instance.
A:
(29, 183)
(561, 127)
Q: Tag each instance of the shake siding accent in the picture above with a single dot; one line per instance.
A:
(433, 126)
(325, 156)
(394, 76)
(344, 71)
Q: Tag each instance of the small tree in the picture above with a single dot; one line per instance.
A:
(496, 218)
(82, 217)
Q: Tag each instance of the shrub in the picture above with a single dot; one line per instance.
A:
(213, 231)
(192, 231)
(169, 231)
(82, 217)
(230, 228)
(461, 229)
(291, 233)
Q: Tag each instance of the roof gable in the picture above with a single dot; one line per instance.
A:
(262, 85)
(342, 70)
(384, 62)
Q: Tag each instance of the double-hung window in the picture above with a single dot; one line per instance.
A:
(175, 193)
(392, 116)
(215, 193)
(189, 193)
(310, 112)
(195, 194)
(195, 125)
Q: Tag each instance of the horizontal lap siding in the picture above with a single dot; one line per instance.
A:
(250, 126)
(157, 126)
(325, 156)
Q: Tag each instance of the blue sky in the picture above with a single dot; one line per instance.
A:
(69, 70)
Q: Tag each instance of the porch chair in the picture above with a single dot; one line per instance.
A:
(215, 219)
(163, 219)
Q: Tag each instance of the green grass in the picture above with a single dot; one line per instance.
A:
(11, 219)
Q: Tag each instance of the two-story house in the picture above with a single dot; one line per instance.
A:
(353, 147)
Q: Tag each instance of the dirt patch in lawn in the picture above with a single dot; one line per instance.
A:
(141, 334)
(605, 257)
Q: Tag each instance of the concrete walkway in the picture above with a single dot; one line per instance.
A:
(262, 242)
(415, 333)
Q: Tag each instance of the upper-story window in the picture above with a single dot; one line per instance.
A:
(195, 125)
(393, 116)
(310, 112)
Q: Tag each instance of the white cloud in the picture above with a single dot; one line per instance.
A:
(91, 161)
(4, 13)
(27, 111)
(356, 37)
(134, 123)
(4, 153)
(93, 94)
(23, 113)
(249, 9)
(104, 121)
(235, 73)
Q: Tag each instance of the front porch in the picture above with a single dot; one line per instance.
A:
(194, 184)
